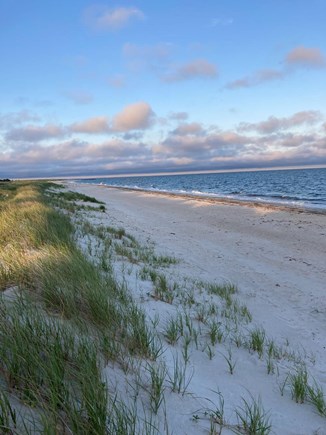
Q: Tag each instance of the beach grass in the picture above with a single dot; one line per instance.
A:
(57, 312)
(70, 326)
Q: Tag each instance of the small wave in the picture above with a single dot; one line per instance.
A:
(301, 188)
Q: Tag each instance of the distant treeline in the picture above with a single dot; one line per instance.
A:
(4, 180)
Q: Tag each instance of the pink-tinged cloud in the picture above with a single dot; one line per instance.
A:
(203, 146)
(137, 116)
(273, 124)
(35, 133)
(299, 57)
(98, 124)
(111, 19)
(199, 68)
(261, 76)
(193, 128)
(305, 57)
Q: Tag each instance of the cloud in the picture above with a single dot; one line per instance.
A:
(261, 76)
(199, 68)
(73, 157)
(178, 116)
(38, 150)
(35, 133)
(111, 19)
(98, 124)
(222, 22)
(205, 146)
(137, 116)
(299, 57)
(273, 123)
(184, 129)
(79, 97)
(8, 120)
(305, 57)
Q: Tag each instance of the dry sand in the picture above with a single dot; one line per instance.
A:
(276, 257)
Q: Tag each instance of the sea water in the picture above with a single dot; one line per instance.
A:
(293, 187)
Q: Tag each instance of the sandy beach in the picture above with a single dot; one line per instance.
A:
(276, 258)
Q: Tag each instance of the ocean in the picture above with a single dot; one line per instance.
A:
(292, 187)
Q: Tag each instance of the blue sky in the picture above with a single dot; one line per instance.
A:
(148, 86)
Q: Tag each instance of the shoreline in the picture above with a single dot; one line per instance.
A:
(208, 198)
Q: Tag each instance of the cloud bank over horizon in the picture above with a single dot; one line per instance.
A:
(120, 144)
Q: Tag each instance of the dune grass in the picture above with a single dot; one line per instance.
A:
(58, 313)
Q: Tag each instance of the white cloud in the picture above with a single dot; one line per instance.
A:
(102, 18)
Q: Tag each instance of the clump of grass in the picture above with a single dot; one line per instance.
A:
(148, 256)
(179, 379)
(224, 291)
(156, 393)
(118, 233)
(140, 339)
(230, 361)
(316, 397)
(75, 196)
(202, 313)
(257, 340)
(174, 329)
(162, 290)
(215, 332)
(217, 416)
(299, 384)
(8, 415)
(252, 418)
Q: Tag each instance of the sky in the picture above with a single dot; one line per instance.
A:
(160, 86)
